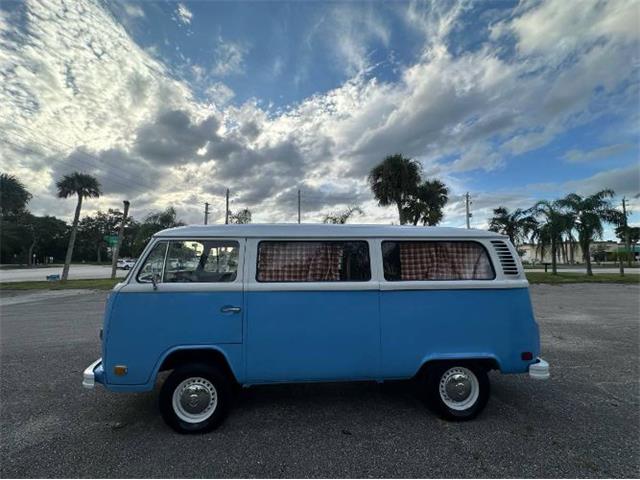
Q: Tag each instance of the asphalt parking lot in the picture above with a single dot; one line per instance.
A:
(584, 422)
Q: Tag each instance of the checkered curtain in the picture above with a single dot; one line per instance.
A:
(299, 261)
(444, 261)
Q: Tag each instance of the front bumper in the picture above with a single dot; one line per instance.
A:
(539, 370)
(92, 374)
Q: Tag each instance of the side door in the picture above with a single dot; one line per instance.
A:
(197, 300)
(312, 311)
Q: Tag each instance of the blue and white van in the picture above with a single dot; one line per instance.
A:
(244, 305)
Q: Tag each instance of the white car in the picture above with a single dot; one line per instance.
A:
(126, 263)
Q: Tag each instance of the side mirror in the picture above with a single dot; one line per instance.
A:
(155, 279)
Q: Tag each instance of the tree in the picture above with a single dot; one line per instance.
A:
(634, 234)
(342, 217)
(517, 224)
(548, 232)
(84, 186)
(93, 229)
(241, 216)
(393, 181)
(589, 213)
(46, 236)
(153, 223)
(427, 203)
(13, 195)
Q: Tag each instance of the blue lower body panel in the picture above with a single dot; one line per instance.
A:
(422, 325)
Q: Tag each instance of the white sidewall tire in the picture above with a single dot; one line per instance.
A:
(457, 411)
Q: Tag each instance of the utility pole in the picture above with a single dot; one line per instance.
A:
(627, 237)
(116, 249)
(467, 203)
(206, 213)
(298, 205)
(226, 215)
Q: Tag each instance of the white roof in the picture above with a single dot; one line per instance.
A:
(319, 230)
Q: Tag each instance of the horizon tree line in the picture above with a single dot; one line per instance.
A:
(397, 181)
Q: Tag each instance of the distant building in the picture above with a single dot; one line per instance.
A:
(600, 252)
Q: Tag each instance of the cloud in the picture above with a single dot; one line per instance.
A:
(184, 14)
(133, 10)
(228, 58)
(354, 32)
(558, 28)
(76, 87)
(582, 156)
(174, 138)
(118, 171)
(219, 93)
(623, 181)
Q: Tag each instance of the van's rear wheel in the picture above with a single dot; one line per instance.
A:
(457, 391)
(195, 398)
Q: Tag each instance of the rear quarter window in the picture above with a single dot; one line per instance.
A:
(436, 260)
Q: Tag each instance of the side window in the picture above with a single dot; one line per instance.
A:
(410, 260)
(201, 261)
(313, 261)
(153, 263)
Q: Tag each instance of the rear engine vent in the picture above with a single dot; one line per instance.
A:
(508, 263)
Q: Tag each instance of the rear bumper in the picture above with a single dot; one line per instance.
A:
(539, 370)
(93, 374)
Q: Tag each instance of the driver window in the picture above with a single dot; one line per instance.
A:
(201, 261)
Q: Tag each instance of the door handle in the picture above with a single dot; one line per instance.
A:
(230, 309)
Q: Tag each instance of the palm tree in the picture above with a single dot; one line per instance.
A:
(167, 218)
(13, 195)
(393, 181)
(242, 216)
(84, 186)
(548, 232)
(589, 213)
(427, 203)
(517, 225)
(153, 223)
(340, 218)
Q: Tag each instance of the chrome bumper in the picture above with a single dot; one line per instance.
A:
(539, 370)
(89, 376)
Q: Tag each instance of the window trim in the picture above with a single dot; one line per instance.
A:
(202, 241)
(432, 280)
(146, 257)
(239, 278)
(325, 282)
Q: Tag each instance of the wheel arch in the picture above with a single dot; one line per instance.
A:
(196, 354)
(487, 361)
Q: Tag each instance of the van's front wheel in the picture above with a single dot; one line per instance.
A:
(457, 391)
(195, 398)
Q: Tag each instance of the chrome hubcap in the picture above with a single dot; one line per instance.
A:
(195, 399)
(459, 388)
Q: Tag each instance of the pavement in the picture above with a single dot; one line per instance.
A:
(584, 422)
(75, 272)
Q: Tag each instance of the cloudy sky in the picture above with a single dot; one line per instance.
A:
(170, 103)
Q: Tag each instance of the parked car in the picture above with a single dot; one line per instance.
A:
(305, 303)
(126, 263)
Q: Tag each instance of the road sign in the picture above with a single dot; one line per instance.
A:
(112, 240)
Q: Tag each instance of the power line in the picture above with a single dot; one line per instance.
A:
(82, 152)
(119, 182)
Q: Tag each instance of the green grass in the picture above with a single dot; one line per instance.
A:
(97, 284)
(541, 277)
